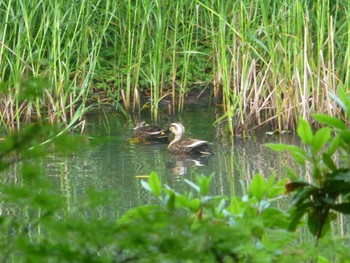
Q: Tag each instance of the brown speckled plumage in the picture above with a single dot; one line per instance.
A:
(181, 146)
(145, 132)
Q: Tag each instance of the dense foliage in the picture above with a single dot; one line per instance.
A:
(263, 61)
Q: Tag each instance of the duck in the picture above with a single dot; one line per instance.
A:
(145, 132)
(181, 146)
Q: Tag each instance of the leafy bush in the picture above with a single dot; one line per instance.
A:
(329, 189)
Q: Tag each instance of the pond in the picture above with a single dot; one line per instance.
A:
(117, 164)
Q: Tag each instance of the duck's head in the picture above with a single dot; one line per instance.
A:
(177, 128)
(140, 124)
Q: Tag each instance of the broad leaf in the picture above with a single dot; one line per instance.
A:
(318, 226)
(257, 187)
(235, 207)
(297, 215)
(321, 137)
(345, 136)
(299, 155)
(270, 181)
(183, 202)
(334, 146)
(340, 175)
(303, 195)
(155, 184)
(299, 158)
(313, 222)
(170, 202)
(277, 189)
(305, 132)
(273, 217)
(329, 120)
(343, 208)
(329, 162)
(321, 259)
(139, 212)
(204, 184)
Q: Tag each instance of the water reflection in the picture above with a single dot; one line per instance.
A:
(118, 164)
(181, 164)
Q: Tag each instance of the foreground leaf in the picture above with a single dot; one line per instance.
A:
(305, 132)
(258, 187)
(330, 121)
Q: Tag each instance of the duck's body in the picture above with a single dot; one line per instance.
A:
(181, 146)
(145, 132)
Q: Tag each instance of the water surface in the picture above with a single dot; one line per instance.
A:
(117, 164)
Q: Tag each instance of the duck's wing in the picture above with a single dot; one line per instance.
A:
(193, 143)
(198, 147)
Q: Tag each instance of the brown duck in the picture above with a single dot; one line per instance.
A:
(145, 132)
(181, 146)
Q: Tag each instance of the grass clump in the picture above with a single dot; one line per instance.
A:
(264, 62)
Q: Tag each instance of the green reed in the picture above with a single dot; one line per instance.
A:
(58, 41)
(297, 63)
(266, 63)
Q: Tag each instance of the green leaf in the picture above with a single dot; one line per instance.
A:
(338, 183)
(334, 146)
(258, 187)
(321, 137)
(340, 102)
(345, 136)
(299, 158)
(330, 121)
(235, 207)
(170, 202)
(321, 259)
(273, 217)
(139, 212)
(316, 223)
(193, 185)
(195, 204)
(297, 215)
(343, 208)
(329, 162)
(183, 202)
(204, 184)
(270, 181)
(313, 222)
(340, 175)
(305, 132)
(292, 175)
(154, 184)
(299, 155)
(303, 194)
(277, 189)
(220, 207)
(282, 147)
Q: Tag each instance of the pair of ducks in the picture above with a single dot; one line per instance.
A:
(179, 145)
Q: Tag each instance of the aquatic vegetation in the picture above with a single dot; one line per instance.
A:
(327, 190)
(263, 63)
